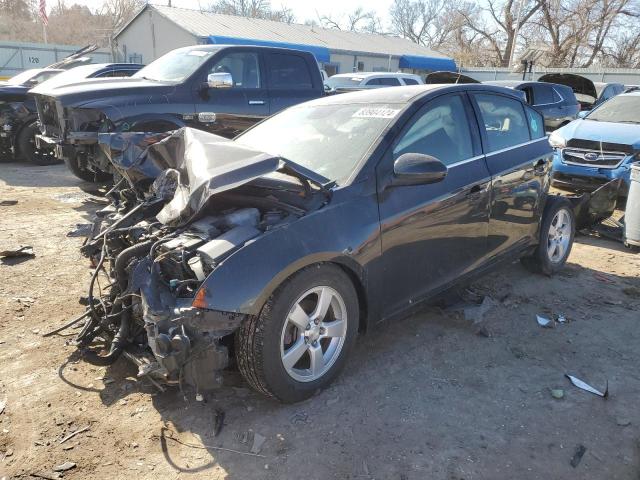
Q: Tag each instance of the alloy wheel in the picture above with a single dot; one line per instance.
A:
(559, 236)
(313, 334)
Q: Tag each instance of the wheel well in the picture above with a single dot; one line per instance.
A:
(24, 126)
(362, 296)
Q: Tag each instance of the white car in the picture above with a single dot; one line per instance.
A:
(364, 80)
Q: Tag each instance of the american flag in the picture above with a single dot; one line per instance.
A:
(43, 12)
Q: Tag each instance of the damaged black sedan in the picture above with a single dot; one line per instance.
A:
(270, 252)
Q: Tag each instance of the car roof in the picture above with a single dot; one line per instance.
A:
(374, 74)
(405, 95)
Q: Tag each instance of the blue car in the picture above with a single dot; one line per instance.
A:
(599, 147)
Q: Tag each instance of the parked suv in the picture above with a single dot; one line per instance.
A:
(383, 199)
(20, 122)
(219, 88)
(344, 82)
(590, 94)
(557, 103)
(599, 147)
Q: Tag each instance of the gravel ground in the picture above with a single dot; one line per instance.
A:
(433, 396)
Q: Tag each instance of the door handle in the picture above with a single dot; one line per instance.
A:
(256, 102)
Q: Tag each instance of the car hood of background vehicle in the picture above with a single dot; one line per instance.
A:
(13, 93)
(606, 132)
(579, 84)
(189, 166)
(90, 89)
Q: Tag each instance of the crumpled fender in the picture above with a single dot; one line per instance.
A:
(591, 208)
(245, 280)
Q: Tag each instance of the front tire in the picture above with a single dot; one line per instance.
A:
(557, 231)
(302, 337)
(73, 163)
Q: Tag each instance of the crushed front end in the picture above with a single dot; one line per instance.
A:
(154, 248)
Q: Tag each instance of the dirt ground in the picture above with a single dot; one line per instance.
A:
(431, 397)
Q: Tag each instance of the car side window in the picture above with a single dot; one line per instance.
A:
(288, 71)
(243, 67)
(504, 121)
(410, 81)
(536, 123)
(542, 95)
(389, 81)
(440, 129)
(528, 95)
(556, 96)
(373, 81)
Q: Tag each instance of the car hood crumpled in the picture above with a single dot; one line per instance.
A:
(187, 167)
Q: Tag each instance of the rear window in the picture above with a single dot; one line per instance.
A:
(289, 71)
(543, 94)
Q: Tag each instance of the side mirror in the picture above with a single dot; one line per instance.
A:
(417, 169)
(583, 113)
(220, 80)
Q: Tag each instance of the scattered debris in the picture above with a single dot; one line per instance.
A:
(562, 319)
(81, 230)
(64, 467)
(258, 442)
(483, 332)
(73, 434)
(632, 291)
(577, 456)
(603, 278)
(588, 388)
(203, 446)
(475, 313)
(557, 393)
(544, 322)
(3, 404)
(218, 422)
(20, 252)
(8, 203)
(623, 421)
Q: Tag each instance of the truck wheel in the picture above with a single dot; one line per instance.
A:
(27, 147)
(301, 339)
(557, 231)
(84, 173)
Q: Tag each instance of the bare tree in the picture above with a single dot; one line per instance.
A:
(358, 20)
(252, 9)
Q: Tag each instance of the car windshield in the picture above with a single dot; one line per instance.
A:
(620, 109)
(23, 77)
(338, 82)
(328, 139)
(176, 65)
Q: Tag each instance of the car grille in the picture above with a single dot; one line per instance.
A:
(592, 158)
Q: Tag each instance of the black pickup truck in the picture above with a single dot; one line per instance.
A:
(219, 88)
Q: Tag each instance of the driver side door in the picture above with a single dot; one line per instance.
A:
(432, 234)
(228, 111)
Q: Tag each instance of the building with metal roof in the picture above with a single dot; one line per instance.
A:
(156, 29)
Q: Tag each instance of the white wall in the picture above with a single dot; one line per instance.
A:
(371, 64)
(151, 36)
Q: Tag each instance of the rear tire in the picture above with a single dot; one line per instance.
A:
(290, 360)
(84, 174)
(557, 231)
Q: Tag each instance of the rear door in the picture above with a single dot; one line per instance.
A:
(228, 111)
(432, 234)
(290, 80)
(519, 157)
